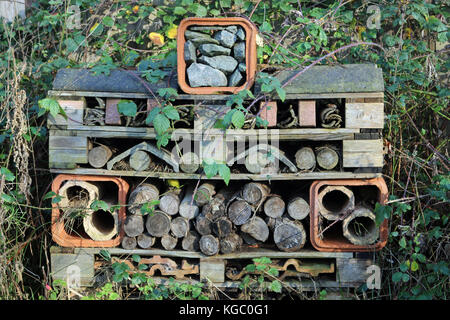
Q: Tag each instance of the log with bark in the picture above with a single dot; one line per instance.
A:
(254, 192)
(189, 162)
(261, 163)
(257, 228)
(230, 243)
(191, 241)
(142, 194)
(204, 193)
(188, 207)
(222, 227)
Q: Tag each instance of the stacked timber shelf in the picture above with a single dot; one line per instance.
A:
(306, 202)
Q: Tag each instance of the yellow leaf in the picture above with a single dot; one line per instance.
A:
(156, 38)
(173, 183)
(135, 9)
(93, 28)
(172, 32)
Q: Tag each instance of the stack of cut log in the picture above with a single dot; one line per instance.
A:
(214, 221)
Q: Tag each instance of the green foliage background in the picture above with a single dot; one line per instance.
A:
(296, 33)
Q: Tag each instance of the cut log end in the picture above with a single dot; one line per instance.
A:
(170, 203)
(204, 194)
(191, 241)
(222, 227)
(290, 236)
(145, 241)
(327, 158)
(169, 242)
(231, 243)
(179, 227)
(239, 212)
(129, 243)
(305, 159)
(99, 156)
(298, 208)
(274, 207)
(209, 245)
(140, 160)
(189, 162)
(158, 224)
(134, 225)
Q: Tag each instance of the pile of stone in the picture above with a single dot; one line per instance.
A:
(215, 56)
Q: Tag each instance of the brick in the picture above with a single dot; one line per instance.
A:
(307, 113)
(112, 115)
(269, 113)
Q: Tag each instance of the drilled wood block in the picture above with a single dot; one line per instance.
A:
(212, 269)
(269, 113)
(74, 109)
(307, 113)
(364, 115)
(112, 115)
(362, 153)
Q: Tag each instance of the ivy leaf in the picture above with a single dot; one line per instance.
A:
(99, 204)
(9, 176)
(108, 21)
(275, 286)
(179, 11)
(402, 243)
(52, 105)
(225, 173)
(281, 93)
(152, 114)
(171, 113)
(238, 119)
(396, 277)
(161, 123)
(127, 108)
(210, 168)
(136, 258)
(49, 195)
(381, 213)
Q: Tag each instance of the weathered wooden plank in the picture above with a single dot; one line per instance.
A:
(212, 269)
(67, 156)
(233, 176)
(218, 97)
(116, 81)
(64, 266)
(246, 253)
(364, 115)
(64, 142)
(352, 270)
(332, 79)
(362, 153)
(313, 134)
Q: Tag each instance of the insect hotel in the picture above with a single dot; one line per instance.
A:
(302, 188)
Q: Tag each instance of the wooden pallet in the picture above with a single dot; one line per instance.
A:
(330, 269)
